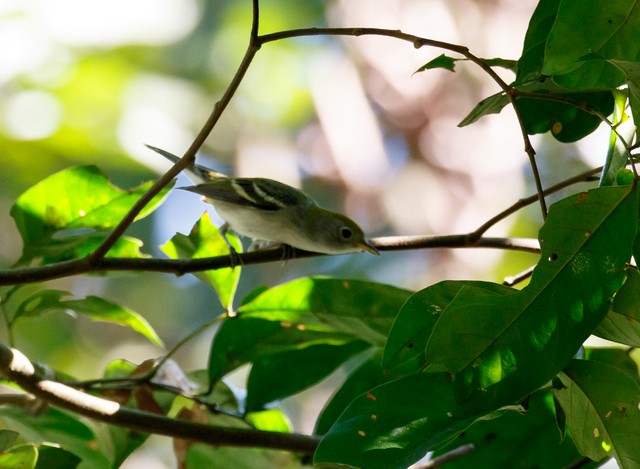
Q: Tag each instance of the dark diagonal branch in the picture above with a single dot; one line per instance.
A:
(190, 154)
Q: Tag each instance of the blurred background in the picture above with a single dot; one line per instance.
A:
(346, 119)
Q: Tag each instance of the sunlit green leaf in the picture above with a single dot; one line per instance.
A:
(271, 420)
(304, 312)
(604, 420)
(205, 241)
(365, 310)
(96, 308)
(19, 457)
(502, 347)
(102, 310)
(70, 206)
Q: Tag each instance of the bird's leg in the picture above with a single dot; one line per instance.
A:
(233, 254)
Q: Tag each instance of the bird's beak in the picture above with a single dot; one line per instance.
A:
(367, 246)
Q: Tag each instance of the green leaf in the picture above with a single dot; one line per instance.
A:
(304, 312)
(567, 123)
(601, 404)
(7, 438)
(98, 309)
(616, 153)
(295, 370)
(414, 324)
(396, 424)
(516, 440)
(62, 428)
(271, 420)
(19, 457)
(502, 347)
(50, 456)
(69, 207)
(365, 310)
(205, 240)
(592, 27)
(504, 63)
(207, 456)
(617, 357)
(366, 376)
(102, 310)
(531, 60)
(242, 340)
(442, 61)
(622, 322)
(631, 71)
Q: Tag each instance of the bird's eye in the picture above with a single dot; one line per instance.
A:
(345, 232)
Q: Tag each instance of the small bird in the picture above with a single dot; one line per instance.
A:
(270, 211)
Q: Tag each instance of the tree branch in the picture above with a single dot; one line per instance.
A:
(17, 368)
(185, 266)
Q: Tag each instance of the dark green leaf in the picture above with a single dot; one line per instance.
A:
(503, 347)
(414, 324)
(205, 241)
(396, 423)
(542, 20)
(567, 123)
(592, 27)
(310, 365)
(601, 404)
(242, 340)
(71, 204)
(50, 456)
(622, 322)
(517, 441)
(617, 357)
(366, 376)
(442, 61)
(504, 63)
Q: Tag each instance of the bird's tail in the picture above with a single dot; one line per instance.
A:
(197, 173)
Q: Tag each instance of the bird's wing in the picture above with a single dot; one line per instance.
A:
(264, 194)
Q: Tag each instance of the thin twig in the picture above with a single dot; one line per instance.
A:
(418, 42)
(447, 457)
(17, 368)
